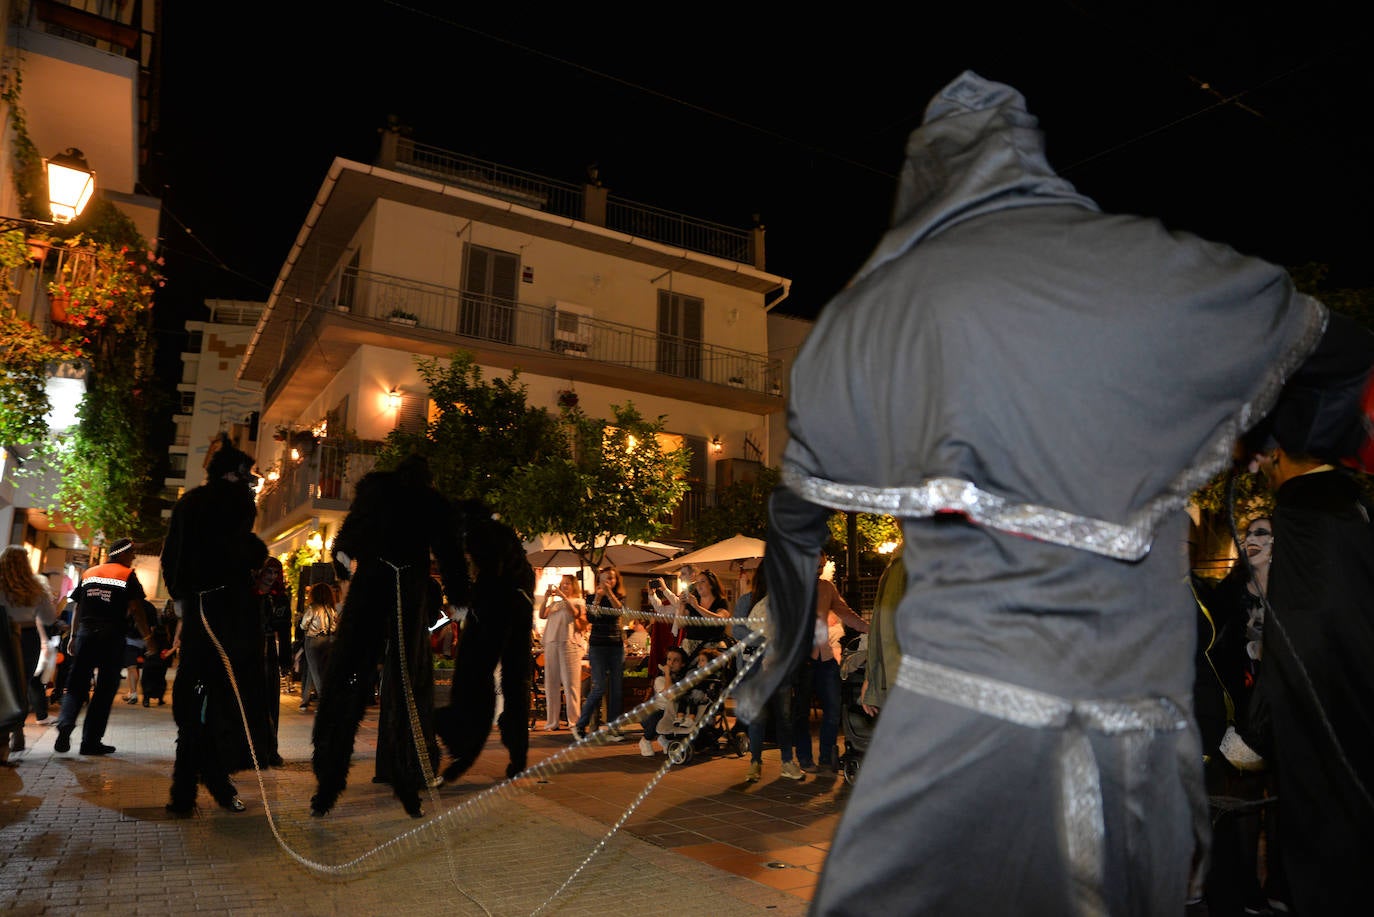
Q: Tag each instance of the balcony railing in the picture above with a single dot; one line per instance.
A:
(537, 328)
(675, 229)
(325, 477)
(564, 199)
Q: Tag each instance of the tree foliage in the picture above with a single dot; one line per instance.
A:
(481, 432)
(104, 461)
(615, 479)
(874, 530)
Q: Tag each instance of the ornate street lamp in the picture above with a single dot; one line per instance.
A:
(71, 183)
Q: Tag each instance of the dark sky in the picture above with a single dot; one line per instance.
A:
(1235, 121)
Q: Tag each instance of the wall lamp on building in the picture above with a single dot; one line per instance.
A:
(393, 400)
(716, 445)
(71, 185)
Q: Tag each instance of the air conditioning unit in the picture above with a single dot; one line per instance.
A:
(572, 329)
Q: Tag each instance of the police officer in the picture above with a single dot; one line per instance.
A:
(106, 598)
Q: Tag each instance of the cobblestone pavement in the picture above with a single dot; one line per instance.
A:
(90, 834)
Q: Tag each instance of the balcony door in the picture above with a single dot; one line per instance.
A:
(489, 294)
(679, 334)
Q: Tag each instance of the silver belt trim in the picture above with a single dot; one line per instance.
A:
(1081, 820)
(1130, 541)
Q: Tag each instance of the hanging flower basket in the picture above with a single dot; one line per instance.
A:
(57, 309)
(567, 399)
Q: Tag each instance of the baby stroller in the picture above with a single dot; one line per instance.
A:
(857, 725)
(715, 734)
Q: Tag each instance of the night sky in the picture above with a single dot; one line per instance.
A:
(1229, 120)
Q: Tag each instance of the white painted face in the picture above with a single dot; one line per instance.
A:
(1259, 542)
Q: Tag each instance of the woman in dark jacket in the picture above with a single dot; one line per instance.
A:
(605, 650)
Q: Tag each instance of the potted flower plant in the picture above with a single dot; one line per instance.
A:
(402, 317)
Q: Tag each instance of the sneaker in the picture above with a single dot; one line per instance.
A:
(96, 748)
(577, 734)
(64, 740)
(46, 721)
(645, 748)
(755, 771)
(614, 736)
(791, 770)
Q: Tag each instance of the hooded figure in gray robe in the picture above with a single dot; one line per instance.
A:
(1033, 388)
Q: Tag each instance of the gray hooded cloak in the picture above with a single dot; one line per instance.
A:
(1034, 388)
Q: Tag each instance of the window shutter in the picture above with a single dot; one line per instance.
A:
(413, 415)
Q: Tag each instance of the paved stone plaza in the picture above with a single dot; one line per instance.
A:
(90, 835)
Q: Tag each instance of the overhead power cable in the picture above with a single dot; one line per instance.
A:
(649, 90)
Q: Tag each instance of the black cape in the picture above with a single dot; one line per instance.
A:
(1317, 681)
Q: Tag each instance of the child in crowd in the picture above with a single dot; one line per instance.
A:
(157, 659)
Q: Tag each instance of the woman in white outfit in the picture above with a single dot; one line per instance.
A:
(565, 613)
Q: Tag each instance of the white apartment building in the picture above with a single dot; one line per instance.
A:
(427, 253)
(211, 400)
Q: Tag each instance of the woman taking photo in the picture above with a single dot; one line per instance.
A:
(565, 616)
(605, 651)
(708, 601)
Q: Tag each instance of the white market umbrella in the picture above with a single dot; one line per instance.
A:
(555, 551)
(738, 548)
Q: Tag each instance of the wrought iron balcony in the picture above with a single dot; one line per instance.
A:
(545, 329)
(325, 476)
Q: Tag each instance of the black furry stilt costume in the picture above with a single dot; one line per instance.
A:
(208, 561)
(497, 629)
(396, 520)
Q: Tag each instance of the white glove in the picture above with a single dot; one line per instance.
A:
(1241, 756)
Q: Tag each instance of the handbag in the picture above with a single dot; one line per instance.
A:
(46, 670)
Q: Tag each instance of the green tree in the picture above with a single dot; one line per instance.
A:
(740, 509)
(875, 529)
(616, 479)
(481, 432)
